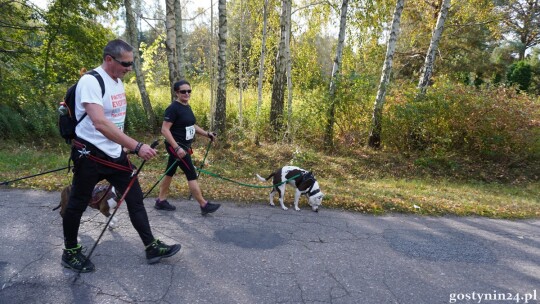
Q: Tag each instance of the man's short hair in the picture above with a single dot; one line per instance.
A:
(116, 47)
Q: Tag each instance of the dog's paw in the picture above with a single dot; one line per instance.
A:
(113, 224)
(296, 208)
(272, 204)
(284, 208)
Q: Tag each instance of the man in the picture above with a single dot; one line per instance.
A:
(97, 154)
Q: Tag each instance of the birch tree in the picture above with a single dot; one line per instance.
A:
(212, 68)
(170, 43)
(180, 59)
(261, 66)
(280, 75)
(221, 101)
(329, 134)
(376, 127)
(240, 66)
(132, 32)
(427, 70)
(289, 76)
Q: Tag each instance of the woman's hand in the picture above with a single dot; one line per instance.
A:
(211, 135)
(180, 152)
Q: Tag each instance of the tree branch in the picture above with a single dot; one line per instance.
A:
(313, 4)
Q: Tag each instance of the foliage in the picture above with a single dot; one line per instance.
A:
(494, 123)
(30, 121)
(11, 124)
(41, 49)
(469, 37)
(20, 37)
(534, 61)
(155, 67)
(520, 22)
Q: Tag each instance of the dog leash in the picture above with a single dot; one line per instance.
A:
(42, 173)
(244, 184)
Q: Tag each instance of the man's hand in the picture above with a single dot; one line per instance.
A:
(146, 152)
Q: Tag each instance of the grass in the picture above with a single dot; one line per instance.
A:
(359, 180)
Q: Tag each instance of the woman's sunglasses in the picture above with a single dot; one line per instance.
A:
(184, 91)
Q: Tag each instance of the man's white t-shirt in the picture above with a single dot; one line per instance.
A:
(114, 105)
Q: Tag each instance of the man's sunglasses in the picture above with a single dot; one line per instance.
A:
(123, 63)
(184, 91)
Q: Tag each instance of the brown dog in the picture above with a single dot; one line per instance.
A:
(104, 198)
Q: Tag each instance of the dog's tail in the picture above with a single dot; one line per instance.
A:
(264, 179)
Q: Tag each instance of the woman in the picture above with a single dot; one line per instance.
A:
(179, 128)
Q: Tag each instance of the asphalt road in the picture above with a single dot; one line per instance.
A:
(262, 254)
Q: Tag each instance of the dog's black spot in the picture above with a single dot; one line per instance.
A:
(249, 238)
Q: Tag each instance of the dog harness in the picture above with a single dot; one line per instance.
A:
(306, 178)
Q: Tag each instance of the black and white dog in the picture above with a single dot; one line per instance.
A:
(305, 184)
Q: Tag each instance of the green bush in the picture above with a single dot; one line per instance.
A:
(520, 74)
(41, 120)
(12, 125)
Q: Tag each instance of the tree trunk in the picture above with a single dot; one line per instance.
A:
(212, 69)
(221, 101)
(131, 25)
(280, 73)
(289, 78)
(329, 134)
(376, 126)
(427, 70)
(170, 44)
(240, 67)
(261, 68)
(180, 60)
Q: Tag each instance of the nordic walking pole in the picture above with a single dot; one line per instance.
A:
(202, 165)
(162, 176)
(42, 173)
(133, 178)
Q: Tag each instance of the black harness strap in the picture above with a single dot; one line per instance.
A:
(308, 177)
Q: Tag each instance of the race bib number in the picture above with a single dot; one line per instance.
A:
(190, 132)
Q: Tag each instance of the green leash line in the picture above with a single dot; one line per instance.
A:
(244, 184)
